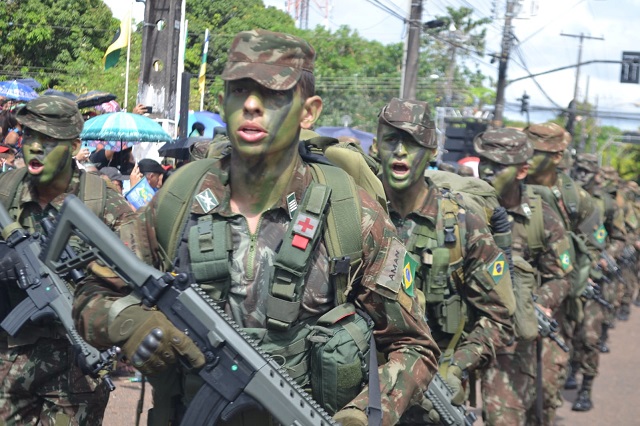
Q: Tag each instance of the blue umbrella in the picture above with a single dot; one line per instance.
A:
(124, 127)
(17, 91)
(210, 120)
(34, 84)
(365, 138)
(54, 92)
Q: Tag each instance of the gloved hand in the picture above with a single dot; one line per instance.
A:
(421, 413)
(9, 264)
(433, 416)
(351, 417)
(155, 343)
(454, 380)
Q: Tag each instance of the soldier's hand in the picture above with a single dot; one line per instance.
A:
(156, 343)
(351, 417)
(9, 264)
(454, 380)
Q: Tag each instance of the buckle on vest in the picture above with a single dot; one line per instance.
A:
(449, 234)
(341, 265)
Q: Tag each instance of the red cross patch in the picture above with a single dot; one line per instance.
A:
(305, 225)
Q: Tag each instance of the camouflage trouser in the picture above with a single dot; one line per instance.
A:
(585, 342)
(629, 288)
(41, 385)
(508, 388)
(609, 294)
(554, 374)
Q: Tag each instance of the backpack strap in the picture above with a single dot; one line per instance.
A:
(570, 196)
(535, 223)
(342, 233)
(176, 197)
(93, 192)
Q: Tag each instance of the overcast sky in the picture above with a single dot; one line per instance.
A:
(540, 46)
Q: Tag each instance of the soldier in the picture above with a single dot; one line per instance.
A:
(462, 275)
(41, 383)
(586, 171)
(508, 387)
(254, 193)
(581, 217)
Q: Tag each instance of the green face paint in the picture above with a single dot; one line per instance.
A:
(403, 160)
(541, 164)
(500, 176)
(46, 158)
(261, 121)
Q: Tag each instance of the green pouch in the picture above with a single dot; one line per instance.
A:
(451, 313)
(339, 356)
(524, 283)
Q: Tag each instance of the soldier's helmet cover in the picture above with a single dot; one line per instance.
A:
(275, 60)
(413, 117)
(54, 116)
(548, 137)
(588, 162)
(504, 146)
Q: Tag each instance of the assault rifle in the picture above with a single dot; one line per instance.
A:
(237, 374)
(612, 266)
(440, 394)
(48, 297)
(548, 327)
(594, 292)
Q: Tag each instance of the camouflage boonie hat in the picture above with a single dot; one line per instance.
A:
(275, 60)
(547, 137)
(587, 162)
(504, 146)
(54, 116)
(413, 117)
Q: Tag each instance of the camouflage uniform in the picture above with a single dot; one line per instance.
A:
(585, 220)
(401, 333)
(508, 387)
(41, 382)
(484, 292)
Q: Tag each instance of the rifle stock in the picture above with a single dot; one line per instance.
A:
(48, 298)
(237, 373)
(440, 396)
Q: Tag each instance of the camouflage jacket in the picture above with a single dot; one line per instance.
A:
(613, 222)
(554, 286)
(489, 326)
(116, 211)
(400, 331)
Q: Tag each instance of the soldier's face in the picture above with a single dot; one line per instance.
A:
(403, 159)
(261, 121)
(541, 163)
(501, 177)
(46, 158)
(584, 176)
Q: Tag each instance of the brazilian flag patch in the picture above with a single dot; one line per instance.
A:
(409, 273)
(497, 268)
(565, 260)
(600, 234)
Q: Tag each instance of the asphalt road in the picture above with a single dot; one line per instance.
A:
(615, 395)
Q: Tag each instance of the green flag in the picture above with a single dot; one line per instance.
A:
(120, 41)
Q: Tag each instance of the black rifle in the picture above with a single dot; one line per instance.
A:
(548, 327)
(612, 266)
(48, 297)
(237, 374)
(594, 292)
(440, 394)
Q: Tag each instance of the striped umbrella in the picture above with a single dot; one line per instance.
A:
(123, 127)
(17, 91)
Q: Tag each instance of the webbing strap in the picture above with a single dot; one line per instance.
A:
(535, 224)
(447, 356)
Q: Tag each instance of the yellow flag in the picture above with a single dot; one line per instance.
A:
(120, 41)
(203, 65)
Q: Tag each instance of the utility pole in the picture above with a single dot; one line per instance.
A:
(502, 67)
(574, 103)
(410, 74)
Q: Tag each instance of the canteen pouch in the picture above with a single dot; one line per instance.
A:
(450, 313)
(524, 317)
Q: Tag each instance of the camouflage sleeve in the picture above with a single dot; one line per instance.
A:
(554, 261)
(116, 209)
(617, 233)
(486, 288)
(401, 332)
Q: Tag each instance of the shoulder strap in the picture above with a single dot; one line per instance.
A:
(93, 192)
(9, 184)
(174, 202)
(343, 232)
(535, 223)
(570, 196)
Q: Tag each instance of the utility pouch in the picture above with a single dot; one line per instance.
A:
(339, 356)
(437, 262)
(450, 314)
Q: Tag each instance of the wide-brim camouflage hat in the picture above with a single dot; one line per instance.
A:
(504, 146)
(414, 117)
(275, 60)
(54, 116)
(587, 162)
(547, 137)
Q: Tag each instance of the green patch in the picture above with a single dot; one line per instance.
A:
(497, 268)
(565, 260)
(600, 234)
(409, 273)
